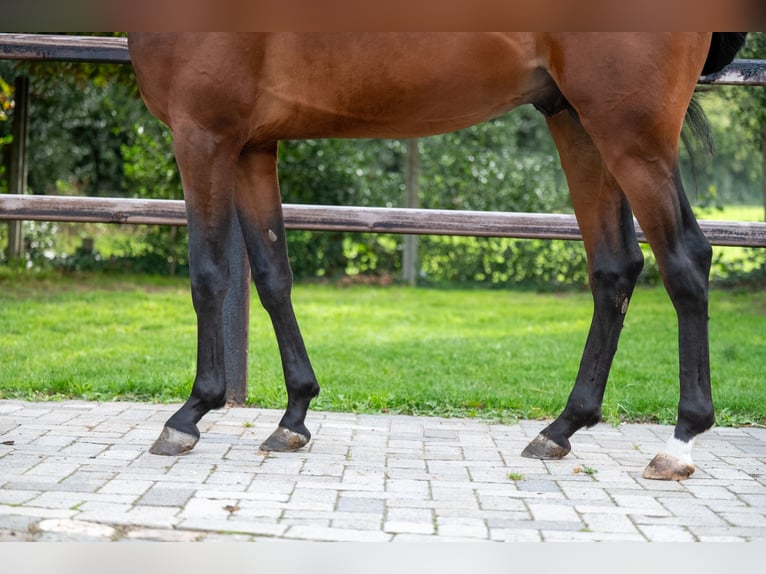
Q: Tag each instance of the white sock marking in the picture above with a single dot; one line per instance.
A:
(681, 451)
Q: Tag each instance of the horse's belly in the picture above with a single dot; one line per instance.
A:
(393, 85)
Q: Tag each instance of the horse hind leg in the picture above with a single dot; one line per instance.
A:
(614, 264)
(259, 209)
(634, 113)
(684, 256)
(652, 184)
(206, 171)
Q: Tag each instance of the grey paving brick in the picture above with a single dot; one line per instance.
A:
(746, 519)
(126, 486)
(214, 508)
(264, 528)
(462, 527)
(401, 527)
(11, 497)
(538, 485)
(164, 535)
(60, 530)
(515, 535)
(163, 495)
(356, 504)
(153, 516)
(336, 534)
(553, 511)
(657, 533)
(609, 523)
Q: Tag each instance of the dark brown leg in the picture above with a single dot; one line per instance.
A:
(636, 127)
(614, 263)
(259, 208)
(207, 170)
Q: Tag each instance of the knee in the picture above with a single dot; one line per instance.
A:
(208, 281)
(274, 287)
(687, 278)
(612, 280)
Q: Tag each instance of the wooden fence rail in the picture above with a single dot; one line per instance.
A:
(360, 219)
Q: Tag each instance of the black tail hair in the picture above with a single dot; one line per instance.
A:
(697, 134)
(723, 47)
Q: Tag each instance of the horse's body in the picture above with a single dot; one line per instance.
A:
(615, 105)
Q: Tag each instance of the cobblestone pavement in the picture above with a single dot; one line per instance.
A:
(81, 471)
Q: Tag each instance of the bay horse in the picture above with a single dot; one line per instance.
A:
(615, 104)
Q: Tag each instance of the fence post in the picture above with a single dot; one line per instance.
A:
(17, 183)
(763, 159)
(410, 255)
(236, 320)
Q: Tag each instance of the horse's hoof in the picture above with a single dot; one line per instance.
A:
(666, 467)
(544, 448)
(284, 440)
(172, 442)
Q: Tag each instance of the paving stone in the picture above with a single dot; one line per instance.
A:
(336, 534)
(164, 535)
(462, 527)
(557, 512)
(353, 522)
(153, 516)
(515, 535)
(74, 530)
(11, 497)
(355, 504)
(163, 495)
(126, 486)
(400, 526)
(610, 523)
(217, 525)
(399, 514)
(666, 533)
(746, 519)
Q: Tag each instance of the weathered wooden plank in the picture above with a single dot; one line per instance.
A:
(739, 73)
(358, 219)
(92, 209)
(64, 48)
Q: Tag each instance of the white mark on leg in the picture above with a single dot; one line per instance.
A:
(624, 308)
(679, 450)
(272, 235)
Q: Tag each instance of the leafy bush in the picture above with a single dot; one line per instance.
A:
(151, 172)
(503, 262)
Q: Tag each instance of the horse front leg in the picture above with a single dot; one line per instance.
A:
(207, 174)
(259, 208)
(614, 264)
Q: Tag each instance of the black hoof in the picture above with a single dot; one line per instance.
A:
(172, 442)
(285, 440)
(544, 448)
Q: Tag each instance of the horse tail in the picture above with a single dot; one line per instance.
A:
(697, 134)
(723, 47)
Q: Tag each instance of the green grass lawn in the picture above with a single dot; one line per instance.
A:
(495, 354)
